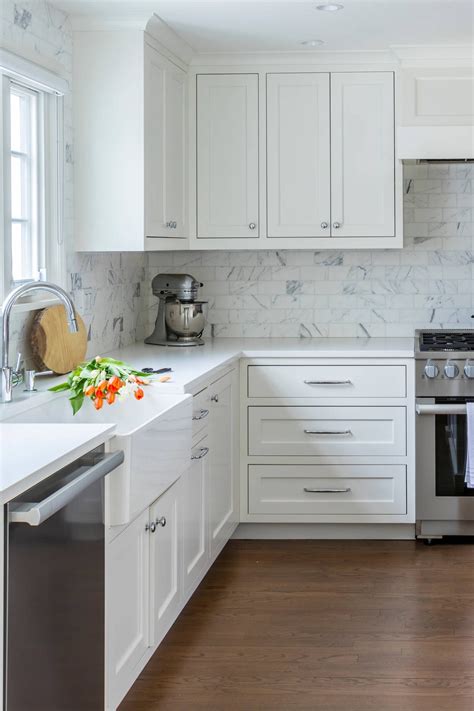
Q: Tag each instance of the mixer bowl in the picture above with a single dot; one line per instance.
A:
(186, 320)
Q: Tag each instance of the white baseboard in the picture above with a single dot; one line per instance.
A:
(326, 531)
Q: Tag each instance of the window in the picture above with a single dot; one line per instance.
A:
(32, 156)
(27, 253)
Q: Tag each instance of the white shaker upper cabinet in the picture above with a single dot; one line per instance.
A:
(298, 155)
(227, 156)
(362, 154)
(165, 143)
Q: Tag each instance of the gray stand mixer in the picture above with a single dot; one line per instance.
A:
(181, 318)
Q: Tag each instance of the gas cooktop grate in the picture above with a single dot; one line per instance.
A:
(447, 341)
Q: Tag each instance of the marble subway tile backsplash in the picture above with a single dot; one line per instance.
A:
(428, 283)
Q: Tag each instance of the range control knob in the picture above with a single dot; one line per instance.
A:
(431, 369)
(451, 370)
(469, 369)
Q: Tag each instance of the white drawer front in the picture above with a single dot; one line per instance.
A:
(327, 381)
(356, 489)
(327, 431)
(200, 412)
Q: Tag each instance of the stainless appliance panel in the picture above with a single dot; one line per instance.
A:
(54, 597)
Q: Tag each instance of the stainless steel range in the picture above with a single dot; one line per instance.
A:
(444, 383)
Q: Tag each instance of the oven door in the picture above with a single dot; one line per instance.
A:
(441, 436)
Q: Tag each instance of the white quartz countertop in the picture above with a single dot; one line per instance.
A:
(193, 365)
(31, 452)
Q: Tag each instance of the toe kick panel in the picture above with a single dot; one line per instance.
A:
(327, 431)
(357, 489)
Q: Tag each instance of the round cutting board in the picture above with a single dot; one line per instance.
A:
(54, 347)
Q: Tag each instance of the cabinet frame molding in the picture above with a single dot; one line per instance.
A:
(278, 243)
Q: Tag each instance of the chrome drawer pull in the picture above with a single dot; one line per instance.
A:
(201, 414)
(328, 382)
(202, 453)
(327, 491)
(327, 432)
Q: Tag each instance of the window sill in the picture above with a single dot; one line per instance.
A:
(25, 306)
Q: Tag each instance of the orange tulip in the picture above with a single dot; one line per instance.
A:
(111, 397)
(114, 383)
(139, 393)
(89, 391)
(98, 402)
(102, 385)
(98, 393)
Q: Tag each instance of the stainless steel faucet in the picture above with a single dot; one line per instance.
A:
(10, 301)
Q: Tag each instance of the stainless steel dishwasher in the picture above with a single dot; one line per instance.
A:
(54, 590)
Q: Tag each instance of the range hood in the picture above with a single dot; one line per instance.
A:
(446, 144)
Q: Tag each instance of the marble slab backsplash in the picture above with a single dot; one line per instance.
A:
(428, 283)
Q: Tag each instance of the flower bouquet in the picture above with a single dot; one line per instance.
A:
(102, 380)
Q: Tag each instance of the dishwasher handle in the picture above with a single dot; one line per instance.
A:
(34, 514)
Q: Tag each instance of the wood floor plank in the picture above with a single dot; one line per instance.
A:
(321, 625)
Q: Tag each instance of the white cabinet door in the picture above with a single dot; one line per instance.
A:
(195, 518)
(223, 483)
(165, 578)
(227, 155)
(298, 155)
(362, 154)
(165, 147)
(127, 605)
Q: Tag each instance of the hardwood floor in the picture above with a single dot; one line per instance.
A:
(326, 625)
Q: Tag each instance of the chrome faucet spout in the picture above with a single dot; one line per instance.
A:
(7, 306)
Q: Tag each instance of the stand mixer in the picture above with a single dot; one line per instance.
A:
(181, 318)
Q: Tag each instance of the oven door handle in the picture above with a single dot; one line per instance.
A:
(443, 409)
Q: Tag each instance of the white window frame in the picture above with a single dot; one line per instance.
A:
(51, 89)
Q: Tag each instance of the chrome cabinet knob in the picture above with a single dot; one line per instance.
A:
(336, 225)
(469, 369)
(451, 370)
(431, 369)
(161, 522)
(324, 225)
(214, 398)
(252, 226)
(151, 527)
(171, 224)
(175, 224)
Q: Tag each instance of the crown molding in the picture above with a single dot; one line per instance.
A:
(435, 56)
(303, 57)
(169, 43)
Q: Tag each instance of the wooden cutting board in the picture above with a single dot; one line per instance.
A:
(53, 346)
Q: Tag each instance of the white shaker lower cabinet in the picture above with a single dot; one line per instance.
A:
(127, 606)
(362, 154)
(327, 441)
(165, 568)
(154, 564)
(227, 156)
(298, 155)
(223, 442)
(195, 517)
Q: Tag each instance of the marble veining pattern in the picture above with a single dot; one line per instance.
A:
(428, 283)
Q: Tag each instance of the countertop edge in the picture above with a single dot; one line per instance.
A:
(13, 490)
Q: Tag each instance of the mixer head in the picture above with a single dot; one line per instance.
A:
(183, 286)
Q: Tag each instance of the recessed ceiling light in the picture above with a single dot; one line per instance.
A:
(330, 7)
(312, 43)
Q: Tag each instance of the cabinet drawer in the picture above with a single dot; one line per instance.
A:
(357, 489)
(327, 431)
(326, 381)
(200, 412)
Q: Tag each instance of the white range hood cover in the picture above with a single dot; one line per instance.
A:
(435, 142)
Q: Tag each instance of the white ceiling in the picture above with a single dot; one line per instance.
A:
(281, 25)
